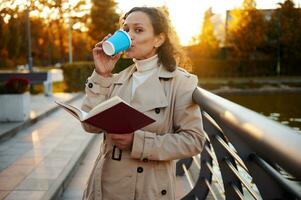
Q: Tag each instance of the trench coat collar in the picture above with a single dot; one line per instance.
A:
(149, 95)
(162, 73)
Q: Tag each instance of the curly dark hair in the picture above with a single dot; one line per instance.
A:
(169, 53)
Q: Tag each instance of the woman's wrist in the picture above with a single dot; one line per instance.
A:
(102, 74)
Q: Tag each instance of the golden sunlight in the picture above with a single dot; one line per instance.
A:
(35, 138)
(186, 16)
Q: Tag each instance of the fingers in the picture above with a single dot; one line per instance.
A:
(97, 50)
(120, 137)
(105, 38)
(122, 141)
(123, 145)
(117, 56)
(99, 44)
(116, 137)
(98, 47)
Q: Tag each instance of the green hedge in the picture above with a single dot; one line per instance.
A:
(122, 64)
(233, 68)
(76, 74)
(247, 68)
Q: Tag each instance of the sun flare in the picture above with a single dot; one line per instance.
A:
(186, 16)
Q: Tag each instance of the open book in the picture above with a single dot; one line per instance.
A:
(113, 116)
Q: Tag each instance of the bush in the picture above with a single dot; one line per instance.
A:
(233, 68)
(122, 64)
(290, 67)
(243, 68)
(76, 74)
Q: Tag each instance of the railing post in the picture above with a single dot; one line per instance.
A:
(179, 169)
(200, 189)
(250, 134)
(267, 186)
(229, 178)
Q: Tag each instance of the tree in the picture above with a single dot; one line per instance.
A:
(81, 46)
(104, 19)
(284, 29)
(48, 33)
(7, 30)
(208, 43)
(246, 31)
(65, 12)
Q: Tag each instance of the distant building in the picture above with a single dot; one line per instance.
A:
(266, 13)
(218, 24)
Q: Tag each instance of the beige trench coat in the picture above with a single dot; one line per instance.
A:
(147, 172)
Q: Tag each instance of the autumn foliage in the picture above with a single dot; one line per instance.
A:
(50, 22)
(255, 40)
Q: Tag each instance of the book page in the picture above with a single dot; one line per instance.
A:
(104, 106)
(76, 112)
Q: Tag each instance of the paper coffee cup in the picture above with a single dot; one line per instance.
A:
(119, 41)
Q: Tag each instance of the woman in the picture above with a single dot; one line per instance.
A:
(157, 87)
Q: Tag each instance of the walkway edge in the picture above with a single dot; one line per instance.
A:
(65, 177)
(12, 132)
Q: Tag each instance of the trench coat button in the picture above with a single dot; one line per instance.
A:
(139, 169)
(90, 85)
(163, 192)
(157, 110)
(145, 160)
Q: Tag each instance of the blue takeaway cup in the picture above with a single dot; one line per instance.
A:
(119, 41)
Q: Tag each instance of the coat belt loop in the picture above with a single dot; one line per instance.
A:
(116, 157)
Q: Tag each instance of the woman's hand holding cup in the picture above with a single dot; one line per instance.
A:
(107, 52)
(104, 64)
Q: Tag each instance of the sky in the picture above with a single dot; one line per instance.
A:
(187, 15)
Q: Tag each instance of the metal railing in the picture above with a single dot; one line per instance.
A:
(246, 155)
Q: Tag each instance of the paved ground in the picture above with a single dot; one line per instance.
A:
(40, 106)
(39, 161)
(77, 185)
(34, 160)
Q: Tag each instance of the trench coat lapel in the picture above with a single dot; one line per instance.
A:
(149, 95)
(126, 84)
(126, 91)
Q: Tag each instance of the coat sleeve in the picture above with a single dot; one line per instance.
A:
(97, 90)
(188, 137)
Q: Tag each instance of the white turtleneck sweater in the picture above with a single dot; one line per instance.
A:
(145, 68)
